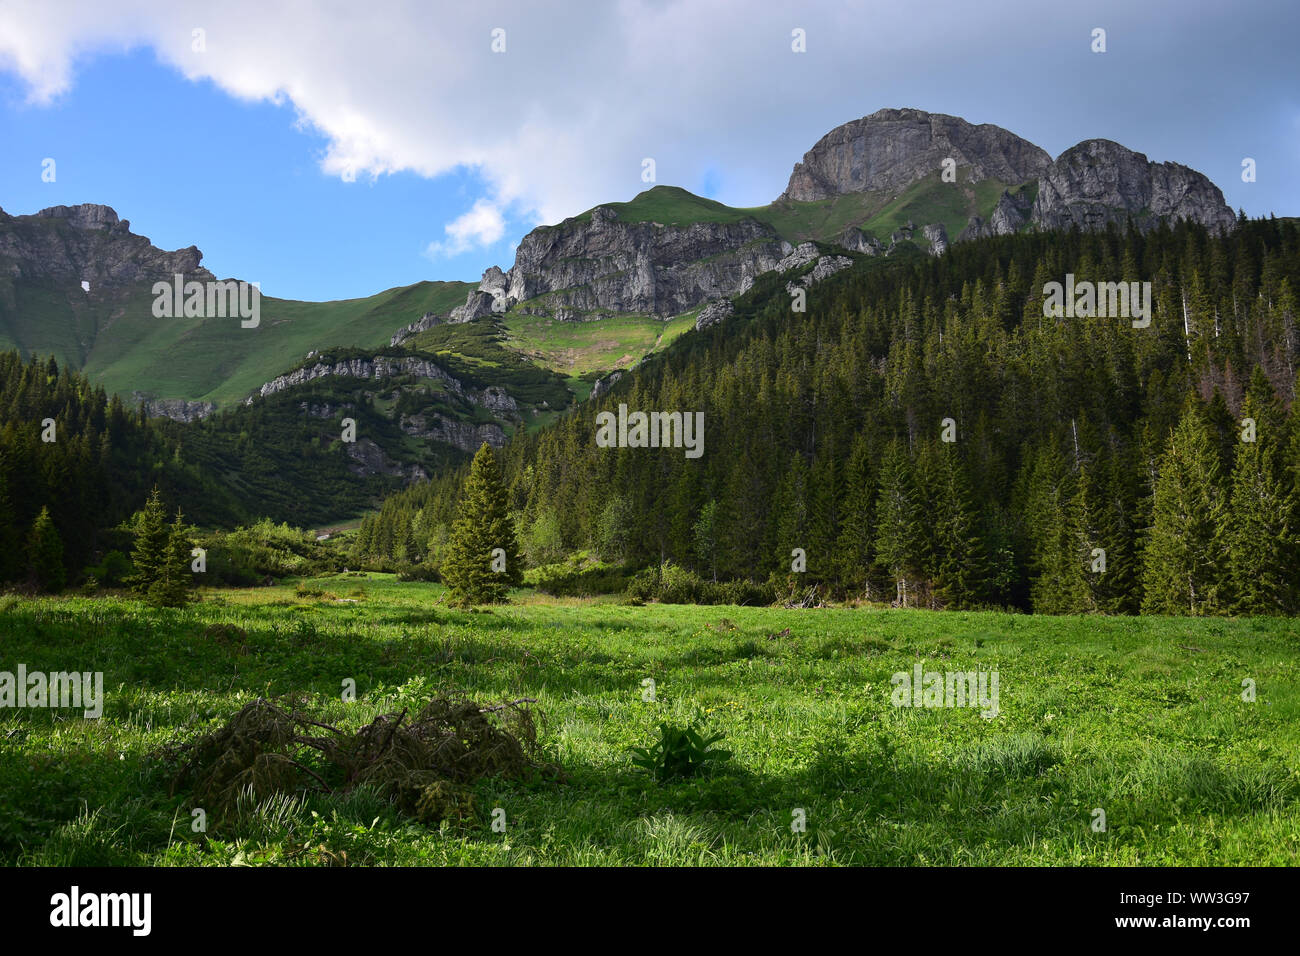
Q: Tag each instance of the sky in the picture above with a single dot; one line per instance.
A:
(334, 149)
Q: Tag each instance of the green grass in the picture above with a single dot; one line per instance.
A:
(574, 348)
(1140, 717)
(670, 206)
(118, 343)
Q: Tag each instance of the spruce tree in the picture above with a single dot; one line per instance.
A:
(961, 562)
(1261, 535)
(149, 555)
(1183, 565)
(10, 550)
(174, 583)
(45, 554)
(482, 526)
(900, 531)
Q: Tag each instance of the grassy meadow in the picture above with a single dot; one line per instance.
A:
(1143, 718)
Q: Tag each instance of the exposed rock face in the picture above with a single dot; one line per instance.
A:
(891, 149)
(937, 237)
(177, 409)
(466, 436)
(423, 323)
(826, 267)
(1009, 215)
(1098, 181)
(494, 397)
(608, 265)
(711, 314)
(369, 459)
(379, 366)
(87, 243)
(803, 254)
(603, 385)
(855, 240)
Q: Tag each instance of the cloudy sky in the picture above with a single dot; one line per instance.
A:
(333, 149)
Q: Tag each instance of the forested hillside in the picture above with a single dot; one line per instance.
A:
(66, 446)
(1094, 465)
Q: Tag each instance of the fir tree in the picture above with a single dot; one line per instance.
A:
(961, 564)
(45, 554)
(900, 532)
(1262, 532)
(1183, 565)
(482, 526)
(174, 583)
(149, 556)
(10, 552)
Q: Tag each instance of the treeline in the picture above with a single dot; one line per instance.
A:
(1092, 466)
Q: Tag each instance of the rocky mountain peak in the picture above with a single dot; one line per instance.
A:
(86, 216)
(1099, 181)
(99, 248)
(893, 148)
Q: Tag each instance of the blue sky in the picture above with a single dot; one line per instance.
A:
(335, 155)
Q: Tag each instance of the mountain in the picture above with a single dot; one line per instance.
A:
(429, 371)
(891, 149)
(594, 293)
(867, 187)
(177, 365)
(1099, 182)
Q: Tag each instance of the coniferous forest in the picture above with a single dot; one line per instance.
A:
(927, 437)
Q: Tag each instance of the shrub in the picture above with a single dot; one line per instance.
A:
(671, 584)
(418, 572)
(581, 575)
(112, 571)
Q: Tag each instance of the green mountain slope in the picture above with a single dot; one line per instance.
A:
(112, 335)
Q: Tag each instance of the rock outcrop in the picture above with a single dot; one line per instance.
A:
(177, 409)
(891, 149)
(711, 314)
(463, 435)
(1099, 182)
(422, 324)
(605, 264)
(88, 243)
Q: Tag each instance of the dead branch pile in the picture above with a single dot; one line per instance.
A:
(426, 765)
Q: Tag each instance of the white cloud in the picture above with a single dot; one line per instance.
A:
(481, 226)
(587, 88)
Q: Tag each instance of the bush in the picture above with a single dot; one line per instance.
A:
(112, 571)
(671, 584)
(246, 556)
(581, 575)
(418, 572)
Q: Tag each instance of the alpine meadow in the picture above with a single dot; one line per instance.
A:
(942, 511)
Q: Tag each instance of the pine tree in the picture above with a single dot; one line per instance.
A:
(45, 554)
(149, 556)
(1183, 566)
(482, 526)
